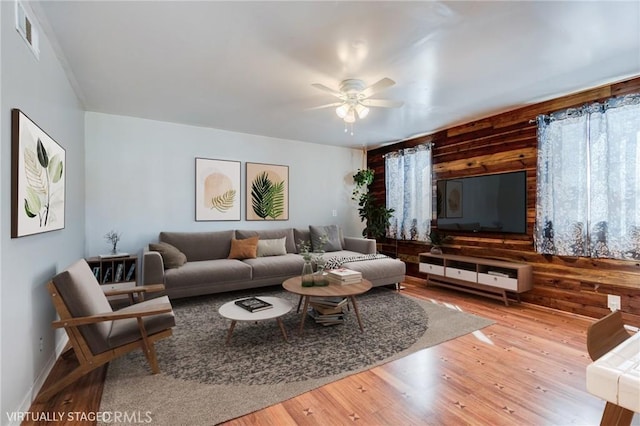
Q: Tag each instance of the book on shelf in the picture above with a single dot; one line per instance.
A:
(119, 273)
(326, 310)
(107, 275)
(96, 272)
(130, 273)
(253, 304)
(326, 320)
(329, 301)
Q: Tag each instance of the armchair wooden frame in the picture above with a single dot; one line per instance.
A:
(89, 361)
(602, 336)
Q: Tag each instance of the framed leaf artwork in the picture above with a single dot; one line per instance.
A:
(217, 189)
(267, 192)
(38, 168)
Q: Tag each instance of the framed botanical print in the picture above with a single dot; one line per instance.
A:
(217, 189)
(267, 192)
(38, 168)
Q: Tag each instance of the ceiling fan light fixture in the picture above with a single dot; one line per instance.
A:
(350, 117)
(342, 110)
(362, 111)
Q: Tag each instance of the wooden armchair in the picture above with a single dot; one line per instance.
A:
(602, 336)
(97, 333)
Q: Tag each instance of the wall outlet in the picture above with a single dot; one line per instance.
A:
(334, 212)
(613, 302)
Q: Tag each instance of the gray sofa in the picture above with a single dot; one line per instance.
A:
(208, 270)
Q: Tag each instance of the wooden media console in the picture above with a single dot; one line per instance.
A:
(492, 278)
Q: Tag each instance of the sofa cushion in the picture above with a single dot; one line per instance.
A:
(330, 232)
(301, 236)
(287, 266)
(200, 245)
(269, 234)
(208, 271)
(171, 256)
(275, 247)
(243, 249)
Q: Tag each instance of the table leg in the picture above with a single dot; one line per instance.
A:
(299, 303)
(233, 325)
(304, 313)
(284, 332)
(355, 308)
(615, 415)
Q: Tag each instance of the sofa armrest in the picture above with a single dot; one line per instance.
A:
(152, 268)
(361, 245)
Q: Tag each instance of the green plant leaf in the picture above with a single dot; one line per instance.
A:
(224, 202)
(43, 157)
(55, 168)
(27, 211)
(34, 173)
(32, 204)
(276, 200)
(260, 195)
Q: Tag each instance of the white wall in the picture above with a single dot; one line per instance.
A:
(141, 179)
(42, 91)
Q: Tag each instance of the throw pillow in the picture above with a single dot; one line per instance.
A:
(330, 233)
(244, 249)
(171, 256)
(275, 247)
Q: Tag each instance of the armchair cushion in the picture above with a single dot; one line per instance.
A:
(127, 330)
(84, 297)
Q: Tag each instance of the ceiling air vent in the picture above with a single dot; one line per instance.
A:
(24, 25)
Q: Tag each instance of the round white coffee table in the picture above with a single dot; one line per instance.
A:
(235, 313)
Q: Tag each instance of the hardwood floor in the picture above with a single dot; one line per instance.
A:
(526, 369)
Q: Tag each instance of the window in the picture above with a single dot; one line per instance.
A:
(408, 187)
(588, 194)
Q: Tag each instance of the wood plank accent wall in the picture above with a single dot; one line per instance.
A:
(503, 143)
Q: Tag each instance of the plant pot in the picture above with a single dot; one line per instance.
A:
(436, 250)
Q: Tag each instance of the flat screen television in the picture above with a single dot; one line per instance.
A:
(489, 203)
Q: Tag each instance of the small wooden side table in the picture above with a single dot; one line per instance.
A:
(294, 285)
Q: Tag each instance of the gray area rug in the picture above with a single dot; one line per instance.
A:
(205, 382)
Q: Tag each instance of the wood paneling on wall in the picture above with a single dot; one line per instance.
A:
(507, 142)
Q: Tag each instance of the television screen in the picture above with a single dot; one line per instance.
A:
(490, 203)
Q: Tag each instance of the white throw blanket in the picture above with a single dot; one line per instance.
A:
(337, 262)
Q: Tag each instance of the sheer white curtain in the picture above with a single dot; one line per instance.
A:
(588, 194)
(408, 187)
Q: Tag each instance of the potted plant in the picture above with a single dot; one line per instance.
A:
(375, 216)
(437, 240)
(113, 238)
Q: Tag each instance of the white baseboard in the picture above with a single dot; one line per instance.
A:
(40, 379)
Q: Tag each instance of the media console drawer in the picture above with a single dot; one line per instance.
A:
(461, 274)
(507, 283)
(428, 268)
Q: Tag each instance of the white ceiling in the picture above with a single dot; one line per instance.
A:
(249, 66)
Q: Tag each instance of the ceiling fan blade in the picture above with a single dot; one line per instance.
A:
(382, 103)
(327, 89)
(334, 104)
(378, 86)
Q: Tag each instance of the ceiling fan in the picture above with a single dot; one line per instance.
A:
(355, 99)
